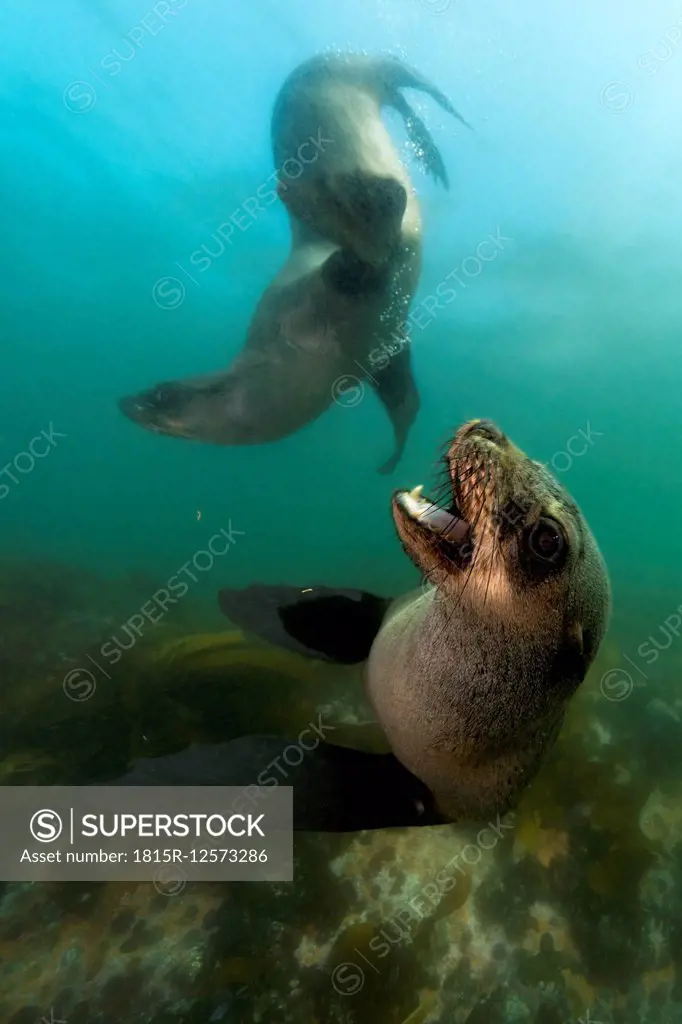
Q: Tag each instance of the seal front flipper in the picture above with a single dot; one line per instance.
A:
(318, 622)
(336, 789)
(396, 389)
(394, 382)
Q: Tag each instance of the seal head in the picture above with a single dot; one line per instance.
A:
(198, 409)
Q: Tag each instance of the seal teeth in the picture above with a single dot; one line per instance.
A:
(436, 519)
(413, 502)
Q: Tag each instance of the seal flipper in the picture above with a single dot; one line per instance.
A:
(396, 389)
(336, 789)
(318, 622)
(424, 147)
(397, 75)
(394, 384)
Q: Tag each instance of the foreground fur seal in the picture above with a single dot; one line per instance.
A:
(469, 678)
(338, 297)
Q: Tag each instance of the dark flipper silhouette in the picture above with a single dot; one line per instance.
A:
(396, 389)
(318, 622)
(336, 789)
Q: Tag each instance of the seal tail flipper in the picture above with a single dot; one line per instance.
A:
(422, 142)
(336, 789)
(318, 622)
(396, 389)
(397, 75)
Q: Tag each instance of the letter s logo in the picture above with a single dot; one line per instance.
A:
(46, 826)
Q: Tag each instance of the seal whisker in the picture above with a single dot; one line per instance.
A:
(444, 487)
(463, 497)
(493, 558)
(474, 561)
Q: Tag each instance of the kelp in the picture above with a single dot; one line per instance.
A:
(25, 768)
(223, 652)
(428, 999)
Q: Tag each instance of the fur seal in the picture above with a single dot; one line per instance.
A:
(334, 301)
(469, 678)
(346, 191)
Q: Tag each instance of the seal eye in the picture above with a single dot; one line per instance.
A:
(546, 541)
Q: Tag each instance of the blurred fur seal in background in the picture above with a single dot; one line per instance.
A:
(347, 285)
(469, 678)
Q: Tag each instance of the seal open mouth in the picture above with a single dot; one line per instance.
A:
(447, 524)
(448, 532)
(444, 528)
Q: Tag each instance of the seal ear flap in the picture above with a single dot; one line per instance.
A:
(318, 622)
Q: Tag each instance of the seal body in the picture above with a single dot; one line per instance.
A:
(471, 715)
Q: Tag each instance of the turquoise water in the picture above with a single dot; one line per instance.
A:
(129, 133)
(573, 323)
